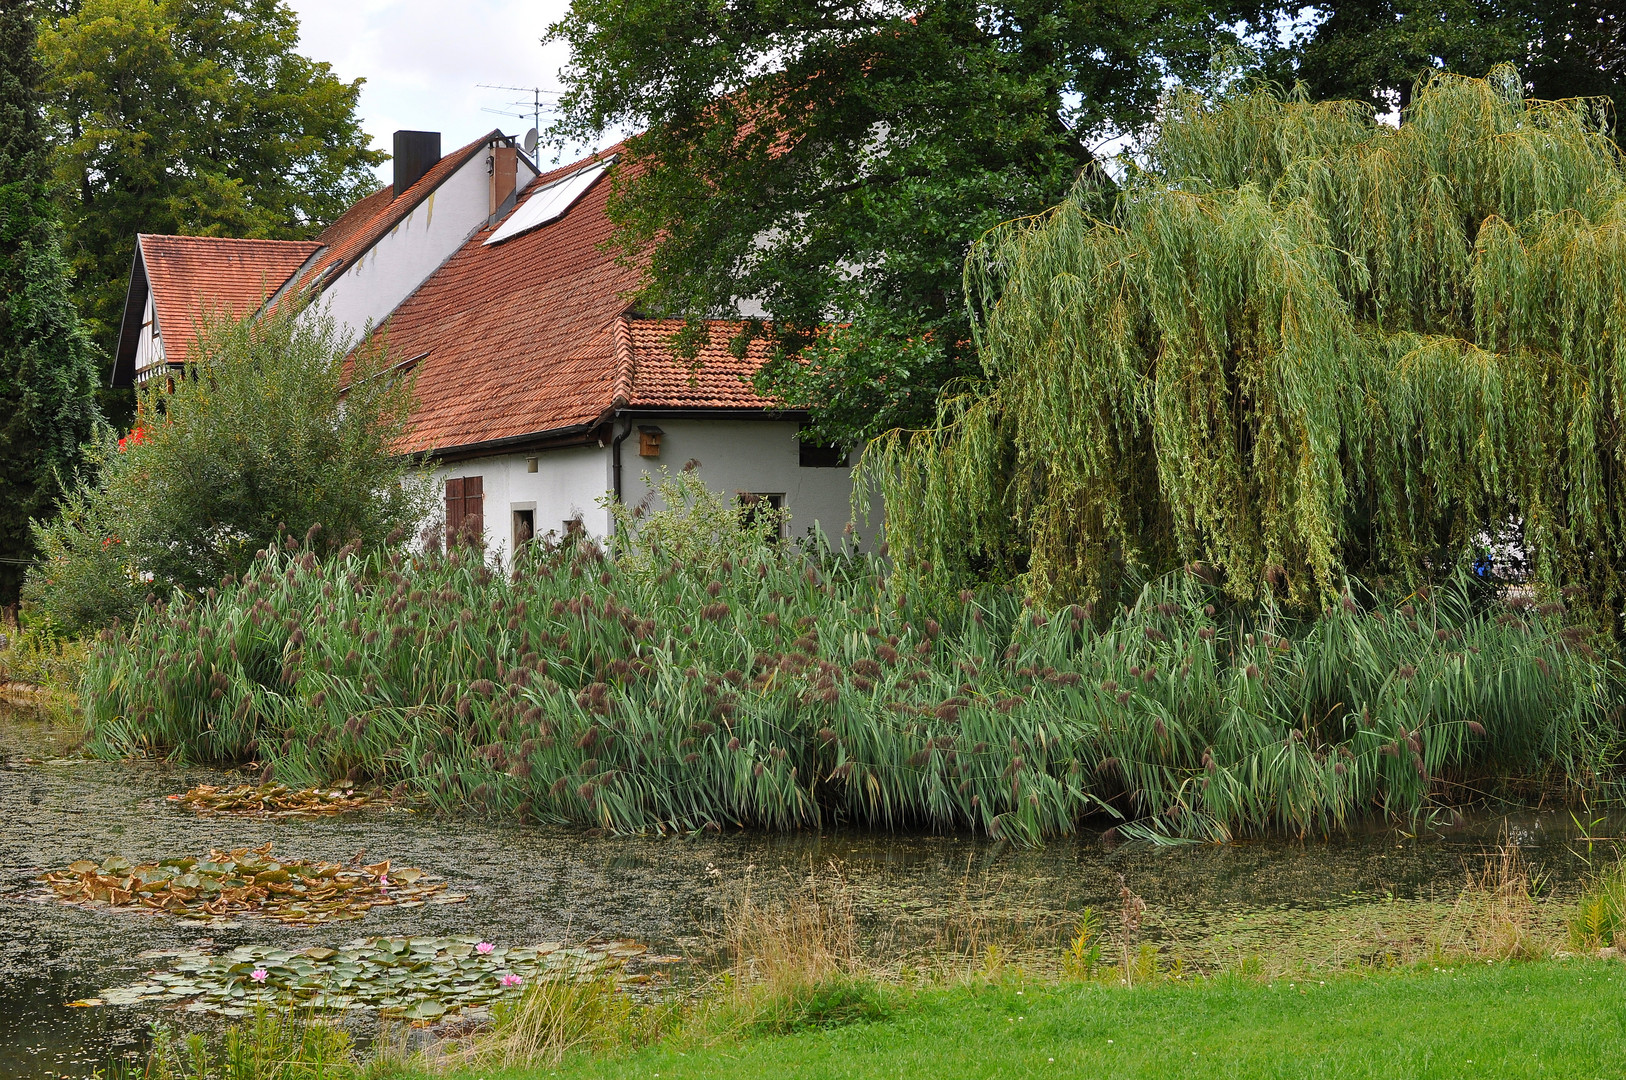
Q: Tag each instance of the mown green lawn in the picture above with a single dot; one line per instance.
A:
(1553, 1019)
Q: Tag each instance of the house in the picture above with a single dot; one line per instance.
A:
(540, 389)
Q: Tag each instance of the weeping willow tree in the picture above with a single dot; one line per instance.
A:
(1301, 344)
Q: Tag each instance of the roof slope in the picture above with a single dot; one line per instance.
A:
(531, 336)
(194, 278)
(715, 379)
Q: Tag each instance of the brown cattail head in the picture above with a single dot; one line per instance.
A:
(1476, 727)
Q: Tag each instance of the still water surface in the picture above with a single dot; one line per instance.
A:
(531, 884)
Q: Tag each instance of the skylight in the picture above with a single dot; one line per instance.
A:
(549, 203)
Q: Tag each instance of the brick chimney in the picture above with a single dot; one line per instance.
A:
(503, 169)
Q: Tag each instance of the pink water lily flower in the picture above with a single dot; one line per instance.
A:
(484, 947)
(258, 974)
(510, 980)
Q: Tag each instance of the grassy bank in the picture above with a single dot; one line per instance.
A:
(1545, 1019)
(752, 685)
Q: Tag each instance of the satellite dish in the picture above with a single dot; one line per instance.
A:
(530, 141)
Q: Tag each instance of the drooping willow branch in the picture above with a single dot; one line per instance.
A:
(1302, 344)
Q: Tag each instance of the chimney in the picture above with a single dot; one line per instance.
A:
(415, 154)
(503, 167)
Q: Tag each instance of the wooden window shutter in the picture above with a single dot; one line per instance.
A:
(454, 509)
(474, 506)
(454, 505)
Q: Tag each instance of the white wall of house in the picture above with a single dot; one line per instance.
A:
(149, 346)
(761, 457)
(378, 282)
(757, 456)
(567, 484)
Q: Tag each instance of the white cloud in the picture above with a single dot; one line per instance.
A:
(423, 59)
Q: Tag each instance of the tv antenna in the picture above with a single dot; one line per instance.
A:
(535, 114)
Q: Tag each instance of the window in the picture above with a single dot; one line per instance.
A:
(763, 511)
(465, 510)
(816, 456)
(524, 527)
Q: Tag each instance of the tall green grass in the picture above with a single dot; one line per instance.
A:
(790, 687)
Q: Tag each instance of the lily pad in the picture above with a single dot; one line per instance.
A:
(418, 979)
(245, 881)
(273, 800)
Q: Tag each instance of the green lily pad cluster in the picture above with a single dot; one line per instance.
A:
(247, 881)
(418, 978)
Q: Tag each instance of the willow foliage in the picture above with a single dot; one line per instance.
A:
(1301, 343)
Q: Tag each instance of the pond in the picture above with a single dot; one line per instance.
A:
(527, 885)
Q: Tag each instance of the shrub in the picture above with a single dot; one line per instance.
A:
(1601, 911)
(278, 424)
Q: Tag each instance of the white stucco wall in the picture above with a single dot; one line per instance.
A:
(760, 456)
(757, 456)
(149, 346)
(403, 259)
(567, 483)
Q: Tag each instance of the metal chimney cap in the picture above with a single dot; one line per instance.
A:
(416, 152)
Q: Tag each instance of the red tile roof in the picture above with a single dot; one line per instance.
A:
(715, 379)
(532, 336)
(195, 278)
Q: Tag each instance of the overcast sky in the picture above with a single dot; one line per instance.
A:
(422, 60)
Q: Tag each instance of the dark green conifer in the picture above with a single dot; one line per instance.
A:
(47, 363)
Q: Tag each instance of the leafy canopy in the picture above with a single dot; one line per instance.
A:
(1376, 49)
(1302, 344)
(821, 161)
(47, 364)
(271, 429)
(196, 117)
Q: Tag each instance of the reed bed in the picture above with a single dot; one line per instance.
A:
(787, 687)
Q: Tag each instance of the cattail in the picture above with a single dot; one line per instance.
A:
(758, 769)
(1110, 686)
(1252, 671)
(1406, 671)
(1123, 697)
(734, 744)
(1476, 727)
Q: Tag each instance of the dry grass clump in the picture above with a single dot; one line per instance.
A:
(1498, 908)
(797, 961)
(550, 1020)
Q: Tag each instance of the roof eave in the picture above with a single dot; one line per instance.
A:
(135, 303)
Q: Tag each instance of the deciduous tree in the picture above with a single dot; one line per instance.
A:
(827, 162)
(191, 116)
(1302, 345)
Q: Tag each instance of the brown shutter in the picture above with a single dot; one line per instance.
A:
(454, 509)
(474, 506)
